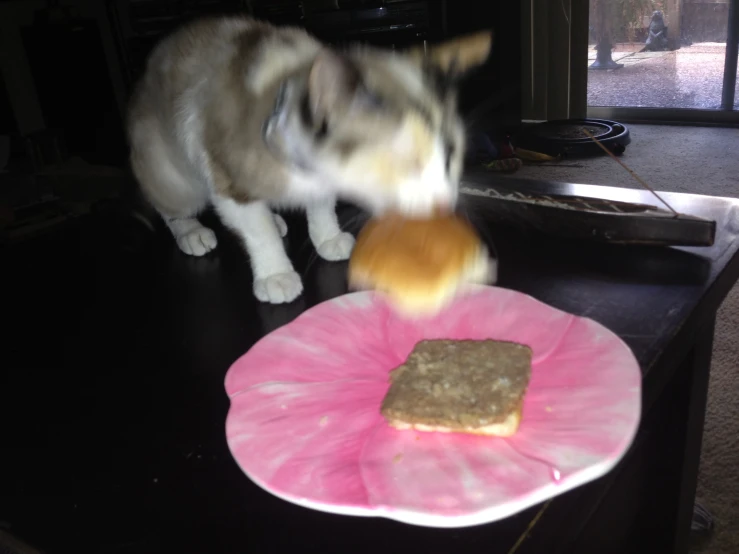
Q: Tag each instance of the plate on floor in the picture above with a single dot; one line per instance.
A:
(305, 424)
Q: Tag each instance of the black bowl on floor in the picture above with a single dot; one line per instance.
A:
(565, 137)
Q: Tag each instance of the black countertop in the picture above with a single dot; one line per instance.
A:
(112, 382)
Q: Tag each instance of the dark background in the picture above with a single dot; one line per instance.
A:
(94, 426)
(76, 96)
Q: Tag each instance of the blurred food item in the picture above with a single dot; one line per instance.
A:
(419, 264)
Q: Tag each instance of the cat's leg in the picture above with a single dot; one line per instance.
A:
(275, 280)
(323, 227)
(192, 237)
(177, 197)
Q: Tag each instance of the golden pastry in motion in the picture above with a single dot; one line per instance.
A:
(419, 264)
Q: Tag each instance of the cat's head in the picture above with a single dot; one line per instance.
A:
(383, 127)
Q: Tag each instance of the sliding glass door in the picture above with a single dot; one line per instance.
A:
(663, 59)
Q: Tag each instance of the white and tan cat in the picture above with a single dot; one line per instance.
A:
(246, 117)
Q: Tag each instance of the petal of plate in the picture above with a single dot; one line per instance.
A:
(338, 339)
(577, 412)
(303, 440)
(447, 475)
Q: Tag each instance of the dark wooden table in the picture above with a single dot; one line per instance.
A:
(113, 407)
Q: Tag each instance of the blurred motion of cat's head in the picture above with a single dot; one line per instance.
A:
(381, 127)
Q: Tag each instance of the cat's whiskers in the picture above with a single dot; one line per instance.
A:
(311, 260)
(355, 222)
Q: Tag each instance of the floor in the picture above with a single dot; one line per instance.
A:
(703, 161)
(690, 77)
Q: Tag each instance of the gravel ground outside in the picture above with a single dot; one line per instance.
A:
(690, 77)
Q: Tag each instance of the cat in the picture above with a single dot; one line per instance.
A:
(246, 117)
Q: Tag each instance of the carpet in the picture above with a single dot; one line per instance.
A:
(701, 161)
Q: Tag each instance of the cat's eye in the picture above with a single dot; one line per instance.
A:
(371, 100)
(376, 101)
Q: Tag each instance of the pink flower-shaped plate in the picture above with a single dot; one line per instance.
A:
(305, 420)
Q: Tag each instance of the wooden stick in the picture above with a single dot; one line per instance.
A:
(627, 168)
(533, 522)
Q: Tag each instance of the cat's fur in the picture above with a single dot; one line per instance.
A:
(244, 116)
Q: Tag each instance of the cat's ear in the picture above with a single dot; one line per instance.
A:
(457, 56)
(332, 84)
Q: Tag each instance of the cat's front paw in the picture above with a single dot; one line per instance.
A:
(197, 242)
(337, 248)
(279, 288)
